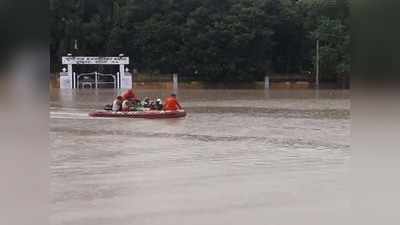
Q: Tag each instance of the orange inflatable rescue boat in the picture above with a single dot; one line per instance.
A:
(148, 114)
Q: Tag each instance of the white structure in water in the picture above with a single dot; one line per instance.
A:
(69, 79)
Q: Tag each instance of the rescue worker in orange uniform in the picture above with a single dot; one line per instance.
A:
(172, 104)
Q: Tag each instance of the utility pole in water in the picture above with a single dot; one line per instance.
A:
(317, 65)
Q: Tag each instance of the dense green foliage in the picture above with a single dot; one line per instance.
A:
(206, 39)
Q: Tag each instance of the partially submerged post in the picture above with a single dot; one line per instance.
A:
(266, 82)
(126, 79)
(75, 80)
(96, 79)
(175, 82)
(118, 80)
(70, 72)
(317, 65)
(65, 80)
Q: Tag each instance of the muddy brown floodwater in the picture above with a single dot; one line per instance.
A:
(239, 157)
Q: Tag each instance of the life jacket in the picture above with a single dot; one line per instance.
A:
(172, 104)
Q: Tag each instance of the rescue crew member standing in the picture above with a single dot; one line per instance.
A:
(172, 104)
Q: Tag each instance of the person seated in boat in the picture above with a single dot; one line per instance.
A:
(158, 106)
(155, 105)
(126, 105)
(117, 104)
(129, 95)
(152, 105)
(171, 103)
(146, 102)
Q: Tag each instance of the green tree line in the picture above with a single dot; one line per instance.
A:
(212, 40)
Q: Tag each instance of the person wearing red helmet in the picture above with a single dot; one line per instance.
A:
(172, 104)
(129, 95)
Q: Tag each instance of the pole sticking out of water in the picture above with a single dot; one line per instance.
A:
(266, 83)
(317, 65)
(118, 77)
(175, 82)
(96, 80)
(75, 80)
(71, 75)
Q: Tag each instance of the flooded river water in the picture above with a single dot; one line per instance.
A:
(239, 157)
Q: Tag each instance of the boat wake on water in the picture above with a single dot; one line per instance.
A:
(70, 115)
